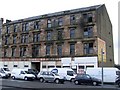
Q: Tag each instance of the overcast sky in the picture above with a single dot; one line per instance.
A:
(19, 9)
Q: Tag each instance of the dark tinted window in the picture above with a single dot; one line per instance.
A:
(70, 73)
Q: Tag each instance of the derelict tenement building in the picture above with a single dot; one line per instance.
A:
(72, 38)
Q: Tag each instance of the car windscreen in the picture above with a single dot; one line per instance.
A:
(70, 73)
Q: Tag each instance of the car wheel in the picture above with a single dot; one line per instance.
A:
(25, 78)
(94, 83)
(119, 84)
(41, 80)
(72, 80)
(13, 77)
(57, 81)
(76, 82)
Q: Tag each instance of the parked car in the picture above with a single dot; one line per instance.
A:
(48, 76)
(32, 71)
(86, 79)
(21, 74)
(3, 74)
(68, 73)
(5, 71)
(117, 81)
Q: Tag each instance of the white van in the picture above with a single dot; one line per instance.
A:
(109, 73)
(68, 73)
(5, 71)
(21, 74)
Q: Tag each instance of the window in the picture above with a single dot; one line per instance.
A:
(5, 65)
(15, 28)
(72, 49)
(24, 38)
(88, 17)
(6, 40)
(49, 23)
(13, 52)
(25, 27)
(60, 21)
(14, 39)
(48, 50)
(72, 19)
(22, 51)
(59, 34)
(59, 50)
(72, 33)
(36, 37)
(5, 52)
(88, 48)
(26, 66)
(48, 35)
(7, 29)
(88, 32)
(15, 65)
(35, 50)
(36, 25)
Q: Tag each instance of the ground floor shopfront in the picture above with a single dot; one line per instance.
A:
(76, 63)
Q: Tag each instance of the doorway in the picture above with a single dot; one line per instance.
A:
(35, 65)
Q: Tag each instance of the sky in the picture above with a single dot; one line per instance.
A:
(19, 9)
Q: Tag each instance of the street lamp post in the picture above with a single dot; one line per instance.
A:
(102, 65)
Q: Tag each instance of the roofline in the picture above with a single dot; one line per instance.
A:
(84, 9)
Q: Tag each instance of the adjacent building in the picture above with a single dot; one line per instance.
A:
(77, 38)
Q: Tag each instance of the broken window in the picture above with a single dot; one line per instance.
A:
(72, 49)
(72, 32)
(59, 50)
(48, 50)
(48, 36)
(13, 52)
(60, 21)
(49, 23)
(72, 19)
(88, 32)
(35, 50)
(88, 17)
(60, 34)
(88, 48)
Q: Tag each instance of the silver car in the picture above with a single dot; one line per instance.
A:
(47, 76)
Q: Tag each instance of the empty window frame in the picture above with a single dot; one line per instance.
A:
(72, 19)
(36, 25)
(15, 27)
(72, 32)
(48, 50)
(13, 51)
(49, 23)
(59, 50)
(60, 34)
(88, 32)
(49, 35)
(88, 17)
(88, 48)
(14, 39)
(8, 29)
(35, 50)
(72, 49)
(60, 21)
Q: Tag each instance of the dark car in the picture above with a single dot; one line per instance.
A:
(32, 71)
(86, 79)
(117, 81)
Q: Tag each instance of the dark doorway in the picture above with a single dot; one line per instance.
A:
(36, 65)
